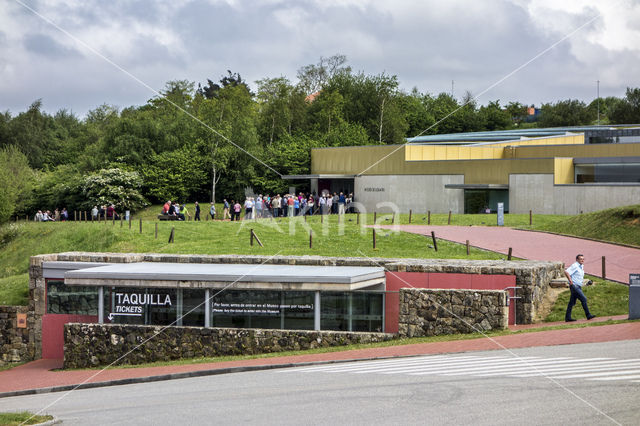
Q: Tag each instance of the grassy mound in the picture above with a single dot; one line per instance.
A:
(617, 225)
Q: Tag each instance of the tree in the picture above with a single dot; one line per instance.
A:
(114, 186)
(565, 113)
(517, 112)
(627, 111)
(494, 117)
(275, 114)
(211, 90)
(228, 134)
(32, 133)
(312, 78)
(175, 175)
(17, 178)
(415, 112)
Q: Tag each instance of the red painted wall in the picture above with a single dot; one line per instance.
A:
(53, 332)
(398, 280)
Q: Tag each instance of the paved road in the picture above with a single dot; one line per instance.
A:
(620, 261)
(441, 389)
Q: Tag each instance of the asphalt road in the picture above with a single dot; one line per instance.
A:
(573, 384)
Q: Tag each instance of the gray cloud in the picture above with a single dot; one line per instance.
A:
(427, 44)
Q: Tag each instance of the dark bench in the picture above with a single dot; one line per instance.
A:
(167, 217)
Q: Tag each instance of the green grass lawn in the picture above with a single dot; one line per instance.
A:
(283, 236)
(604, 298)
(22, 418)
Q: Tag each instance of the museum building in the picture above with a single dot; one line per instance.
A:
(546, 171)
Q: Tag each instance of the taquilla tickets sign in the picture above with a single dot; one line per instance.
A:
(133, 304)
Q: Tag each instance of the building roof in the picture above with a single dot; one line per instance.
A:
(274, 277)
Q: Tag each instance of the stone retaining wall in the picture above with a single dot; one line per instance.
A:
(91, 345)
(431, 312)
(16, 344)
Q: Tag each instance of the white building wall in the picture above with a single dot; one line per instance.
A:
(536, 192)
(419, 193)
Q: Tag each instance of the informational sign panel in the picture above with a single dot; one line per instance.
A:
(634, 296)
(500, 214)
(126, 215)
(22, 320)
(261, 309)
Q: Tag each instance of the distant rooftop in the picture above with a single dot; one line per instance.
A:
(508, 135)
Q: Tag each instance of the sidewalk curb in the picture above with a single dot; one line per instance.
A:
(186, 375)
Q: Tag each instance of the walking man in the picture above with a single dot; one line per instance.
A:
(575, 275)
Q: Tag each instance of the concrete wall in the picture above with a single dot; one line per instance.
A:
(432, 312)
(409, 192)
(537, 192)
(92, 345)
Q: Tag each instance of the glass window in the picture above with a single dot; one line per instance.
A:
(193, 307)
(71, 300)
(357, 311)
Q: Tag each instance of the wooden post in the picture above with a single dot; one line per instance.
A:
(449, 221)
(530, 218)
(310, 238)
(254, 236)
(374, 239)
(433, 238)
(393, 218)
(358, 218)
(141, 225)
(75, 216)
(429, 217)
(374, 217)
(121, 220)
(129, 221)
(251, 237)
(604, 269)
(171, 236)
(321, 217)
(156, 230)
(467, 247)
(113, 219)
(509, 255)
(409, 216)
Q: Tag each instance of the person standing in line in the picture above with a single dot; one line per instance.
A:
(575, 275)
(342, 200)
(197, 214)
(212, 210)
(225, 210)
(258, 206)
(237, 208)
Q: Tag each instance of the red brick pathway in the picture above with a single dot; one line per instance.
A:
(620, 261)
(38, 374)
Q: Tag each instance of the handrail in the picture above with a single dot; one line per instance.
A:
(509, 297)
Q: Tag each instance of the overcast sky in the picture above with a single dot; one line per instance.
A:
(78, 54)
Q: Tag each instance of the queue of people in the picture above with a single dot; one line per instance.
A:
(289, 205)
(56, 216)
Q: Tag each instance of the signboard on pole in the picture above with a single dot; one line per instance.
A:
(500, 214)
(634, 296)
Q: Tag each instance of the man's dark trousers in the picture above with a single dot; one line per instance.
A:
(576, 293)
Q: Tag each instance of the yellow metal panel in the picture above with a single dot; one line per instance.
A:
(440, 153)
(563, 171)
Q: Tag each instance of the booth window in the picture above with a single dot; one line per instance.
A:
(71, 300)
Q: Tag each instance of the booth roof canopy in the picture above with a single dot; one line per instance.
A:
(229, 273)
